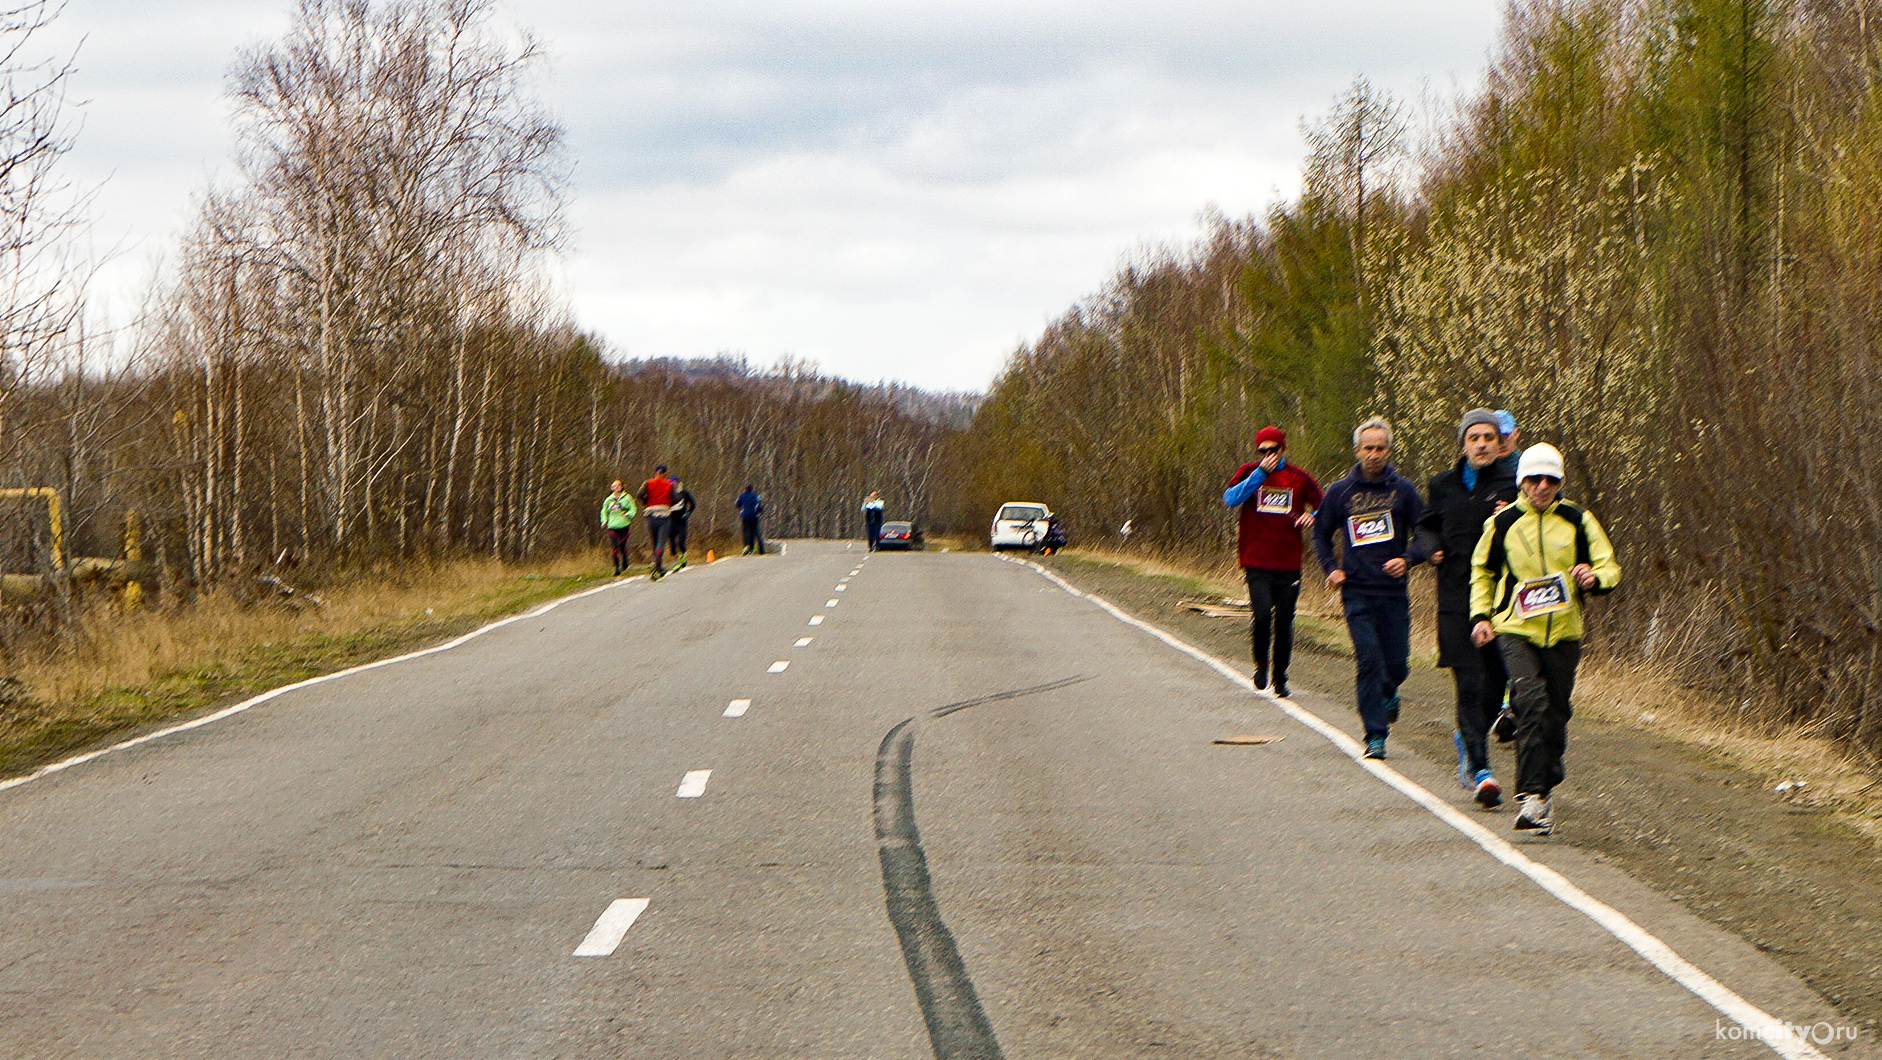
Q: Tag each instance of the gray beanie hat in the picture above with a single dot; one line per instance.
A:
(1474, 417)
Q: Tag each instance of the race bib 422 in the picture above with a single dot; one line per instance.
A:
(1274, 501)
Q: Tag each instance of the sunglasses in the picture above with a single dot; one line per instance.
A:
(1264, 450)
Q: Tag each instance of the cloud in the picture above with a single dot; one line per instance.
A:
(894, 190)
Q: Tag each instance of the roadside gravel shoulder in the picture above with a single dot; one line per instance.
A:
(1788, 878)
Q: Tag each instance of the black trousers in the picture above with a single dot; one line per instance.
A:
(753, 542)
(1541, 682)
(872, 526)
(1272, 595)
(1479, 675)
(678, 533)
(658, 528)
(617, 547)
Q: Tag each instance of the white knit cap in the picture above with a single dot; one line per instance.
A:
(1542, 459)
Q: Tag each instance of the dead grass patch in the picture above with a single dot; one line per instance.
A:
(123, 671)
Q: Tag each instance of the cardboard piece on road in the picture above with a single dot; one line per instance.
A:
(1248, 740)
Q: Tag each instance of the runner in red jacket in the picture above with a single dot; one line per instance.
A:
(1277, 501)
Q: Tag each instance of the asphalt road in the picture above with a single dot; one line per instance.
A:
(1051, 860)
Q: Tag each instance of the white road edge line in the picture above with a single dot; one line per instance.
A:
(816, 620)
(779, 667)
(693, 784)
(1778, 1035)
(227, 712)
(605, 937)
(803, 642)
(736, 708)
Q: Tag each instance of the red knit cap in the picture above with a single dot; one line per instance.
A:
(1271, 434)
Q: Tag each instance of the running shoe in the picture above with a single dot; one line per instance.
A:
(1280, 687)
(1489, 794)
(1261, 678)
(1464, 779)
(1391, 710)
(1375, 747)
(1504, 727)
(1534, 815)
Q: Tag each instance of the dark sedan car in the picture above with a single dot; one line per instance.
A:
(899, 535)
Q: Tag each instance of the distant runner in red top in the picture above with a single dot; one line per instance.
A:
(656, 498)
(1277, 500)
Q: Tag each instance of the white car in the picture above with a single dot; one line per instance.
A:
(1019, 524)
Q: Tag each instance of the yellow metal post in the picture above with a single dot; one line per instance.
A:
(133, 559)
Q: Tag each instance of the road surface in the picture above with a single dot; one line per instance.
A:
(695, 819)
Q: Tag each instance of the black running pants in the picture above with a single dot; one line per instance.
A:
(1541, 682)
(1272, 595)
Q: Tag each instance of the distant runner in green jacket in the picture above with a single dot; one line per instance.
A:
(1531, 568)
(617, 517)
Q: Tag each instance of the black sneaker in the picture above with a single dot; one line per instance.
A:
(1391, 710)
(1261, 678)
(1280, 686)
(1504, 727)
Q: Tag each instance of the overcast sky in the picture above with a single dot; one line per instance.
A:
(892, 190)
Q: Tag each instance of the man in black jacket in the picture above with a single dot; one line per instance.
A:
(682, 513)
(1457, 503)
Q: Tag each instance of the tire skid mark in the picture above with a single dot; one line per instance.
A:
(958, 1028)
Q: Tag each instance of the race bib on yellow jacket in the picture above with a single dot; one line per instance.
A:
(1542, 596)
(1274, 501)
(1372, 529)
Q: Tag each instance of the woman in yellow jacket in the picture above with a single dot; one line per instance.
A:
(1533, 565)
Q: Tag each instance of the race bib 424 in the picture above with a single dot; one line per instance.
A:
(1369, 529)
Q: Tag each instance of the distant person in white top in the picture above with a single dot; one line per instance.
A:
(872, 518)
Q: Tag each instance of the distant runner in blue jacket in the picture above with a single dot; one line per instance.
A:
(1372, 512)
(749, 509)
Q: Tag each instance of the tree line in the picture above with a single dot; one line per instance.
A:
(1654, 233)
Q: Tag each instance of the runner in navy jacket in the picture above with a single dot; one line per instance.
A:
(1373, 511)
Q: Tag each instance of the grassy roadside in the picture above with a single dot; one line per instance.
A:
(132, 672)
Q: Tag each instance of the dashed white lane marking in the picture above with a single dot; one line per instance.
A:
(840, 588)
(803, 642)
(779, 667)
(693, 784)
(1781, 1038)
(210, 719)
(829, 603)
(816, 620)
(608, 931)
(737, 708)
(854, 573)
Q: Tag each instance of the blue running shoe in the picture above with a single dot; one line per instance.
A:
(1464, 779)
(1391, 710)
(1489, 794)
(1375, 747)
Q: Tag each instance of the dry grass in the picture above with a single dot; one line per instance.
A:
(125, 670)
(1833, 777)
(1626, 694)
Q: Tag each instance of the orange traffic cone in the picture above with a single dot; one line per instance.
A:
(709, 556)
